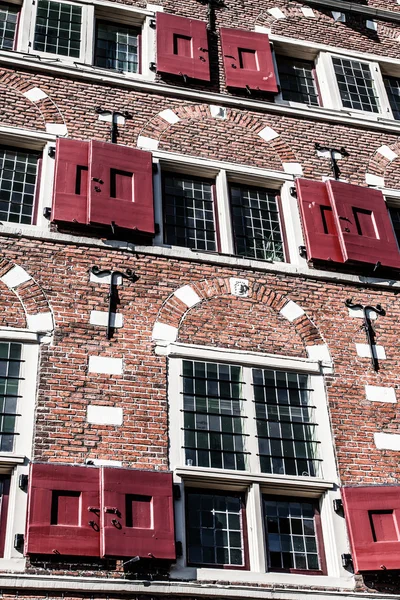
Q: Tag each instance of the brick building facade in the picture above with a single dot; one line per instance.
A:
(200, 219)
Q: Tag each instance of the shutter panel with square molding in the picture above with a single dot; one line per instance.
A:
(70, 182)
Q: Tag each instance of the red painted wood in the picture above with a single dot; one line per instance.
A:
(248, 60)
(58, 510)
(5, 494)
(373, 521)
(363, 224)
(70, 182)
(182, 47)
(121, 187)
(319, 227)
(144, 522)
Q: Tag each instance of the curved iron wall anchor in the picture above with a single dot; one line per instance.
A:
(369, 330)
(129, 274)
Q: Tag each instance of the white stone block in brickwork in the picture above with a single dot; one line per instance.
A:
(376, 393)
(162, 331)
(107, 117)
(239, 287)
(169, 116)
(291, 311)
(35, 94)
(40, 322)
(106, 365)
(319, 352)
(104, 415)
(105, 279)
(268, 134)
(99, 317)
(358, 313)
(147, 143)
(218, 112)
(187, 295)
(387, 441)
(293, 168)
(364, 350)
(56, 128)
(307, 11)
(387, 152)
(155, 7)
(371, 25)
(371, 179)
(15, 276)
(338, 16)
(276, 13)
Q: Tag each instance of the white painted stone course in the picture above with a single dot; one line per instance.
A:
(104, 415)
(364, 351)
(162, 331)
(147, 143)
(57, 128)
(376, 393)
(291, 311)
(106, 365)
(319, 352)
(276, 13)
(105, 279)
(107, 117)
(293, 168)
(40, 322)
(374, 180)
(357, 313)
(387, 441)
(99, 317)
(15, 277)
(218, 112)
(307, 11)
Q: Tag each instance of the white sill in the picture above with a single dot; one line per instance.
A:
(237, 576)
(12, 564)
(11, 459)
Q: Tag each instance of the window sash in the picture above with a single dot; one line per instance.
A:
(58, 28)
(9, 15)
(18, 183)
(222, 414)
(392, 86)
(112, 52)
(10, 377)
(293, 533)
(297, 80)
(357, 88)
(216, 529)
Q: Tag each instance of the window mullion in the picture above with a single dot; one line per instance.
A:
(87, 40)
(251, 423)
(327, 81)
(223, 210)
(256, 533)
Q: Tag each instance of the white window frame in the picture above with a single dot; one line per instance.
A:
(329, 88)
(254, 483)
(16, 463)
(31, 141)
(91, 12)
(223, 174)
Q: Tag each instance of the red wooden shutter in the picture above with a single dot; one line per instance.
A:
(182, 47)
(363, 224)
(121, 187)
(63, 510)
(320, 231)
(248, 60)
(137, 514)
(70, 181)
(373, 521)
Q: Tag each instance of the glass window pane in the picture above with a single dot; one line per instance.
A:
(356, 85)
(8, 24)
(297, 80)
(117, 47)
(18, 170)
(58, 28)
(10, 375)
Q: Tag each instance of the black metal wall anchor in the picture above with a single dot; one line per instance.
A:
(334, 166)
(112, 295)
(114, 125)
(369, 330)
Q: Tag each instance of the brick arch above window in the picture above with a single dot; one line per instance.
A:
(35, 312)
(158, 127)
(381, 164)
(48, 112)
(175, 308)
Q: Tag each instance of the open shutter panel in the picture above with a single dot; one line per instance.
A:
(373, 521)
(320, 231)
(70, 182)
(121, 187)
(248, 60)
(63, 510)
(363, 224)
(182, 47)
(137, 514)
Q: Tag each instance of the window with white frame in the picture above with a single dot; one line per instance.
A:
(9, 14)
(18, 184)
(297, 80)
(252, 217)
(116, 39)
(356, 84)
(392, 85)
(249, 428)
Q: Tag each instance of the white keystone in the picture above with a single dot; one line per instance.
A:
(35, 94)
(169, 116)
(268, 134)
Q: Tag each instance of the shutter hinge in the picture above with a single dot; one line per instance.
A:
(47, 212)
(152, 67)
(293, 191)
(177, 491)
(19, 542)
(338, 507)
(347, 561)
(51, 152)
(303, 252)
(23, 482)
(156, 228)
(178, 549)
(152, 23)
